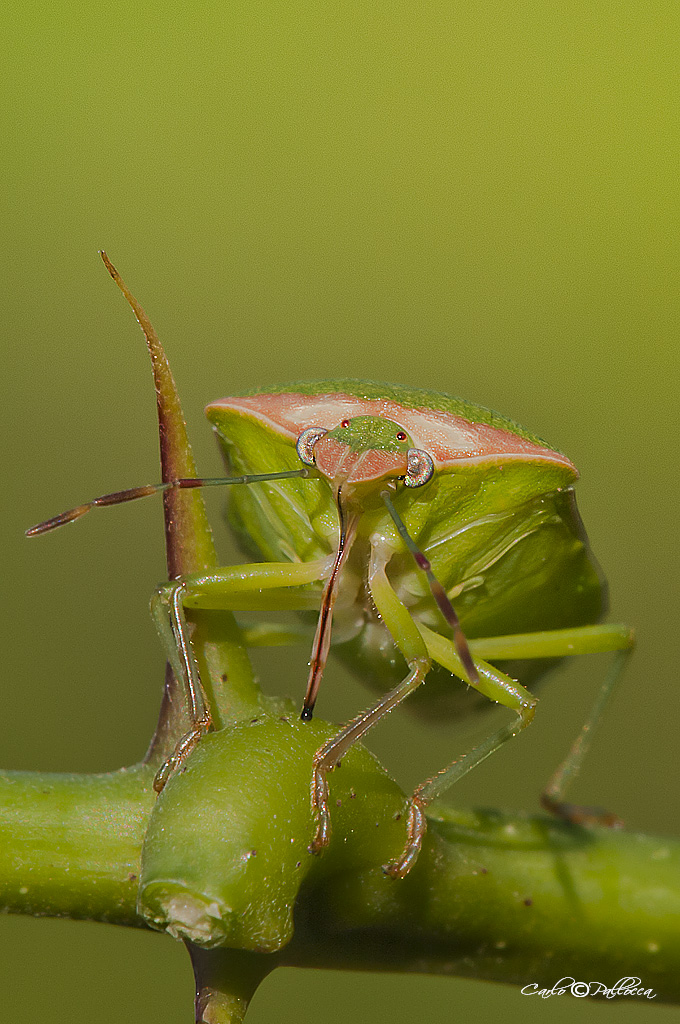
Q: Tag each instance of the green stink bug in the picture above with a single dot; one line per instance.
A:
(431, 534)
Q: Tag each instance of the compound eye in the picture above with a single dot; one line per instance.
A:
(304, 445)
(345, 423)
(401, 436)
(420, 468)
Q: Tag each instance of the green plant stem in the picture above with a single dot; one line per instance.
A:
(508, 898)
(70, 845)
(516, 899)
(226, 981)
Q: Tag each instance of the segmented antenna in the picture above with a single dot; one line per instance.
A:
(438, 592)
(322, 637)
(119, 497)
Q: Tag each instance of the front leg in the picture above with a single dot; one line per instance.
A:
(432, 788)
(418, 646)
(260, 585)
(331, 753)
(407, 637)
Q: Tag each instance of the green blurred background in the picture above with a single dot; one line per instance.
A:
(481, 199)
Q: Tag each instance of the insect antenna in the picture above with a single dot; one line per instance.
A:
(322, 637)
(119, 497)
(438, 592)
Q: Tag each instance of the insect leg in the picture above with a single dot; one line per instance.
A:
(274, 634)
(409, 641)
(552, 797)
(556, 643)
(173, 629)
(233, 587)
(432, 788)
(498, 687)
(438, 593)
(492, 683)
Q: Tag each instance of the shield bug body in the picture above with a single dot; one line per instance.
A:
(493, 519)
(386, 508)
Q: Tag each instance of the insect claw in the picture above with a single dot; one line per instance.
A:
(323, 831)
(183, 748)
(317, 845)
(416, 826)
(320, 807)
(576, 814)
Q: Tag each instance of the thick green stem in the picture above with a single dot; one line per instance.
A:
(70, 845)
(514, 899)
(226, 981)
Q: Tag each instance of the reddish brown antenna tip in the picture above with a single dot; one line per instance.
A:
(109, 265)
